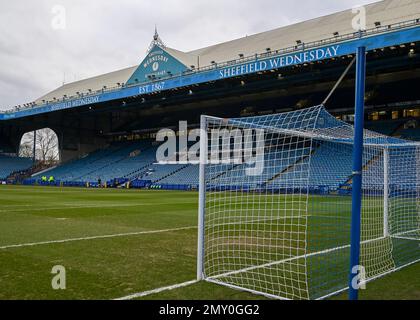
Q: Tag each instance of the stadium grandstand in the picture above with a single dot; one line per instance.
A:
(106, 125)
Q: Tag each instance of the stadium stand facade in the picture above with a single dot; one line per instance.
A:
(386, 12)
(106, 125)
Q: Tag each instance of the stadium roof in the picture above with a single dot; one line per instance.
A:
(386, 12)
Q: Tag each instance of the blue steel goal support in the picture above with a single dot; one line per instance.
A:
(357, 173)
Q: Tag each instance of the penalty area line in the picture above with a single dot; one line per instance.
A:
(117, 235)
(158, 290)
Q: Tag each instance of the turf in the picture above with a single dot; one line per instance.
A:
(108, 268)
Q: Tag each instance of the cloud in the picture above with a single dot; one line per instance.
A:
(102, 36)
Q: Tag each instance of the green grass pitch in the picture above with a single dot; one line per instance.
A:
(127, 241)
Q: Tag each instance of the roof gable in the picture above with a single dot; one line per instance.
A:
(158, 63)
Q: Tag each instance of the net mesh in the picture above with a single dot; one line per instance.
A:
(278, 204)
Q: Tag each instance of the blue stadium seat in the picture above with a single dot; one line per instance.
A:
(8, 165)
(120, 160)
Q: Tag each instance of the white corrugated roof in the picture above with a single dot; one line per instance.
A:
(386, 12)
(109, 80)
(188, 59)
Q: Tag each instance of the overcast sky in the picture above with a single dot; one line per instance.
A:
(103, 35)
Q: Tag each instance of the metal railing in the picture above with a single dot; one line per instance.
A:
(272, 53)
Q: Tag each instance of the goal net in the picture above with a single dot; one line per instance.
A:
(275, 194)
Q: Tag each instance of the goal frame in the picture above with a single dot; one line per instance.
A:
(204, 161)
(383, 166)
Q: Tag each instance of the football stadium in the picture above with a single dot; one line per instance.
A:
(235, 171)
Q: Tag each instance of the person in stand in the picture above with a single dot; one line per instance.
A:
(99, 183)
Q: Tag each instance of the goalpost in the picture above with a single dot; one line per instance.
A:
(275, 205)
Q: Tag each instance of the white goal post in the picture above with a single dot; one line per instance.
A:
(275, 204)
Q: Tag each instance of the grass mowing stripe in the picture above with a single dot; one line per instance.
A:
(94, 237)
(92, 206)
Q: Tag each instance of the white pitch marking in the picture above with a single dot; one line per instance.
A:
(148, 293)
(94, 237)
(406, 238)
